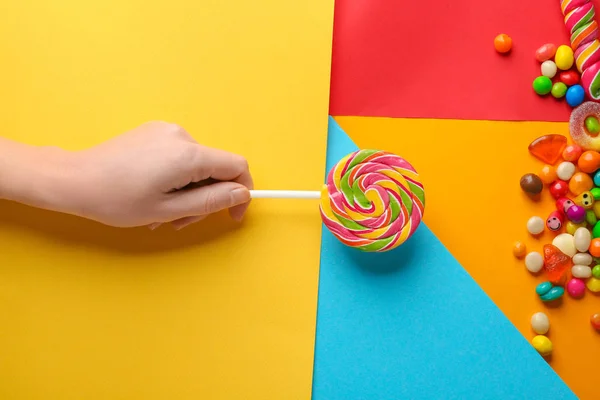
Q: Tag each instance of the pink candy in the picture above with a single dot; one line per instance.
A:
(576, 288)
(545, 52)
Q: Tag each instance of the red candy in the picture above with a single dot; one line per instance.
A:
(563, 204)
(572, 152)
(556, 264)
(569, 78)
(559, 189)
(555, 221)
(548, 148)
(595, 321)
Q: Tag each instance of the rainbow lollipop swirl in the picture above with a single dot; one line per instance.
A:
(373, 200)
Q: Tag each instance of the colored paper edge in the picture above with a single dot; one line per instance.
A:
(399, 325)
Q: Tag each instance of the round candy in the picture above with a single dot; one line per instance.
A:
(595, 321)
(563, 204)
(597, 179)
(592, 125)
(582, 259)
(542, 85)
(535, 225)
(572, 153)
(575, 95)
(576, 214)
(590, 80)
(542, 344)
(576, 288)
(532, 184)
(569, 78)
(585, 200)
(582, 239)
(581, 271)
(548, 69)
(596, 272)
(593, 285)
(596, 193)
(540, 323)
(565, 170)
(545, 52)
(579, 183)
(503, 43)
(590, 217)
(596, 230)
(548, 174)
(555, 221)
(565, 242)
(595, 247)
(572, 227)
(559, 90)
(374, 200)
(559, 189)
(534, 262)
(564, 57)
(589, 161)
(579, 131)
(520, 250)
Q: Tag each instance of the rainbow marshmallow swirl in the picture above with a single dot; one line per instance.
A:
(373, 200)
(579, 20)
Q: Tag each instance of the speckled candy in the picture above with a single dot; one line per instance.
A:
(575, 95)
(576, 288)
(587, 140)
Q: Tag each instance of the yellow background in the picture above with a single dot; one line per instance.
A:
(471, 172)
(214, 311)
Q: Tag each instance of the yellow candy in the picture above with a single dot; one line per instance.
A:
(596, 208)
(542, 344)
(593, 285)
(585, 200)
(572, 227)
(564, 57)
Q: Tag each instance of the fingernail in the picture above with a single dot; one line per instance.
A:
(239, 196)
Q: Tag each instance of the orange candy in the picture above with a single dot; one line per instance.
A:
(580, 183)
(548, 174)
(589, 161)
(595, 247)
(519, 250)
(503, 43)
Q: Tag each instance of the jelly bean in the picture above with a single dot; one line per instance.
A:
(596, 230)
(531, 184)
(594, 249)
(590, 217)
(569, 78)
(555, 221)
(553, 294)
(563, 204)
(548, 174)
(582, 239)
(581, 271)
(520, 250)
(542, 344)
(596, 208)
(540, 323)
(534, 262)
(593, 285)
(548, 69)
(545, 52)
(572, 227)
(572, 152)
(564, 57)
(592, 125)
(589, 161)
(559, 189)
(576, 288)
(542, 85)
(595, 321)
(597, 180)
(582, 259)
(575, 95)
(565, 242)
(543, 288)
(503, 43)
(556, 264)
(579, 183)
(565, 170)
(596, 272)
(585, 200)
(576, 214)
(559, 90)
(535, 225)
(596, 193)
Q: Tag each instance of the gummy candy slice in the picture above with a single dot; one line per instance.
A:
(548, 148)
(556, 264)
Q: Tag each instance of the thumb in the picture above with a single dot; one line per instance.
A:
(208, 199)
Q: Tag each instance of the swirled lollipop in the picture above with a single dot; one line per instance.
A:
(373, 200)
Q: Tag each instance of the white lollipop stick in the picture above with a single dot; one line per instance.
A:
(285, 194)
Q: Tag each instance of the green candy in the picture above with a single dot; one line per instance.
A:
(559, 89)
(590, 217)
(596, 193)
(542, 85)
(596, 272)
(592, 125)
(596, 230)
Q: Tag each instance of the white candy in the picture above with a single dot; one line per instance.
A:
(540, 323)
(581, 271)
(565, 170)
(583, 238)
(535, 225)
(534, 262)
(582, 259)
(565, 243)
(548, 69)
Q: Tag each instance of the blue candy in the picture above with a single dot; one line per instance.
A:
(543, 288)
(575, 95)
(597, 179)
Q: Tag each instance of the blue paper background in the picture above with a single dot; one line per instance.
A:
(412, 324)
